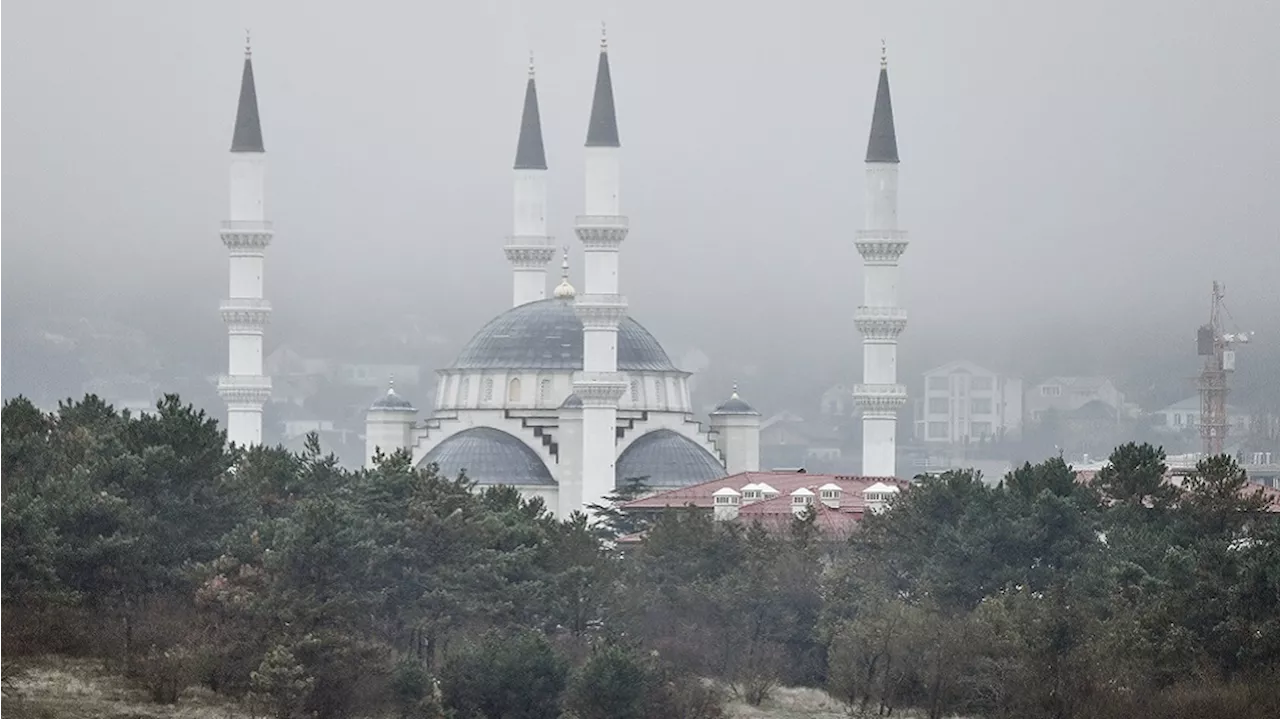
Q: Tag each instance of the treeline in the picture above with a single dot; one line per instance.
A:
(310, 590)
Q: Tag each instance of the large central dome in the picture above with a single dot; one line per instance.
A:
(548, 335)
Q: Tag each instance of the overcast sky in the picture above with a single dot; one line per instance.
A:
(1064, 164)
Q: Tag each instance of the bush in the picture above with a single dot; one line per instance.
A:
(281, 683)
(614, 683)
(414, 691)
(505, 677)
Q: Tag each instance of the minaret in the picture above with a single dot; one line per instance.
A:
(246, 234)
(602, 228)
(879, 319)
(737, 426)
(529, 249)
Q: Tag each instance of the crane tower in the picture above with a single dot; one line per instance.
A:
(1217, 348)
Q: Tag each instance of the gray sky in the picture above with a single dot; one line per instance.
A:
(1065, 165)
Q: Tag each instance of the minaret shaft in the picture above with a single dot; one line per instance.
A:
(529, 248)
(246, 234)
(602, 229)
(879, 318)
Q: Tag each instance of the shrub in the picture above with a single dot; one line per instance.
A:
(505, 677)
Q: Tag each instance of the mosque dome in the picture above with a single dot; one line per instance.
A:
(547, 335)
(734, 405)
(667, 459)
(392, 401)
(489, 456)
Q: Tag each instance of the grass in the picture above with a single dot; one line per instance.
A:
(63, 688)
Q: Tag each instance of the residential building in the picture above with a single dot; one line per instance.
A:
(1184, 416)
(964, 402)
(1067, 394)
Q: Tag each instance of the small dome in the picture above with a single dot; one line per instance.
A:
(735, 405)
(489, 456)
(391, 400)
(547, 334)
(667, 459)
(573, 401)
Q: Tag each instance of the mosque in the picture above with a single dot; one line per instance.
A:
(567, 396)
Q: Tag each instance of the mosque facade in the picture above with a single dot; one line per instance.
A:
(567, 396)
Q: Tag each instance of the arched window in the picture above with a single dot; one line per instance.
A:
(487, 396)
(544, 392)
(513, 390)
(635, 392)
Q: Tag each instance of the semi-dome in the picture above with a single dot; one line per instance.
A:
(667, 459)
(547, 334)
(489, 456)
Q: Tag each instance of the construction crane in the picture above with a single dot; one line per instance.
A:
(1217, 347)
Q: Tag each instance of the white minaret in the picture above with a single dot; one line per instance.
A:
(879, 319)
(737, 427)
(529, 249)
(602, 228)
(246, 234)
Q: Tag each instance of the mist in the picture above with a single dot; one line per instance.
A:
(1074, 175)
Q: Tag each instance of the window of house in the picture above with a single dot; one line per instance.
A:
(939, 383)
(980, 405)
(1051, 390)
(938, 430)
(939, 405)
(981, 384)
(635, 391)
(544, 391)
(513, 390)
(979, 429)
(487, 395)
(1177, 420)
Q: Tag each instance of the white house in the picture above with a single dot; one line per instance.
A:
(963, 401)
(1184, 416)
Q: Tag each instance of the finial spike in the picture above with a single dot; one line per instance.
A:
(564, 264)
(248, 43)
(604, 37)
(735, 388)
(531, 64)
(884, 54)
(391, 384)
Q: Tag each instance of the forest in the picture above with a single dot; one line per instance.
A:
(306, 590)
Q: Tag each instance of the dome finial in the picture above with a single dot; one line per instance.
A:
(565, 290)
(884, 54)
(248, 43)
(531, 64)
(391, 384)
(735, 390)
(604, 37)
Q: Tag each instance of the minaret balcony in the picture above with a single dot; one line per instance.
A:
(242, 389)
(880, 323)
(883, 400)
(529, 252)
(599, 389)
(881, 247)
(600, 312)
(601, 232)
(245, 312)
(246, 234)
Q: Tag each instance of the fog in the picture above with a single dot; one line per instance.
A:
(1074, 174)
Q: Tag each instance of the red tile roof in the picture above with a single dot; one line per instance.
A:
(775, 513)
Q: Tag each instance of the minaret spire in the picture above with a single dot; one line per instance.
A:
(247, 136)
(602, 129)
(882, 146)
(529, 248)
(530, 154)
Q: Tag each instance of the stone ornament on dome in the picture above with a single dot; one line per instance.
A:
(564, 290)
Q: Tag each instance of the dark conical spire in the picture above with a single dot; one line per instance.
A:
(248, 133)
(602, 131)
(883, 144)
(530, 154)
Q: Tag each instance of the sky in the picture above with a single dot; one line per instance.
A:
(1077, 169)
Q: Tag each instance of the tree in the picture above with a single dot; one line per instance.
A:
(505, 676)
